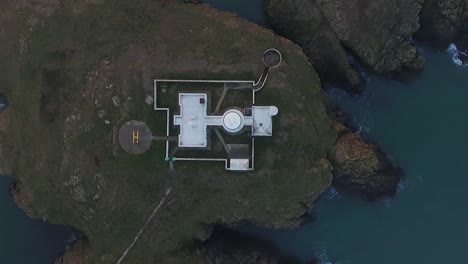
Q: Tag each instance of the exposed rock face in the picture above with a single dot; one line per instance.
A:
(195, 2)
(231, 247)
(303, 22)
(444, 22)
(378, 33)
(362, 167)
(22, 199)
(76, 253)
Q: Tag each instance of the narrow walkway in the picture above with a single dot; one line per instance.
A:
(153, 214)
(165, 138)
(221, 139)
(221, 99)
(262, 80)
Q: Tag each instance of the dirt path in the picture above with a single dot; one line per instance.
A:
(153, 214)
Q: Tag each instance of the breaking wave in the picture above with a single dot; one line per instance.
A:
(323, 258)
(332, 193)
(386, 201)
(357, 107)
(401, 185)
(457, 55)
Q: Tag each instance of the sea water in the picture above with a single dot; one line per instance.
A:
(251, 10)
(24, 240)
(423, 126)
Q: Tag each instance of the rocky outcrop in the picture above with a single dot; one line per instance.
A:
(303, 22)
(231, 247)
(444, 22)
(76, 253)
(22, 199)
(378, 33)
(359, 166)
(195, 2)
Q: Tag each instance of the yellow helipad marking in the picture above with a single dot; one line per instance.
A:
(136, 137)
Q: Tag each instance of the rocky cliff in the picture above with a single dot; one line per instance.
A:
(65, 62)
(362, 167)
(76, 253)
(331, 32)
(232, 247)
(444, 22)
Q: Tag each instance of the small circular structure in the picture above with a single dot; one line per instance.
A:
(273, 110)
(233, 121)
(135, 137)
(272, 58)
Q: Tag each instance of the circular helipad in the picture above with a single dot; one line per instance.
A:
(233, 121)
(135, 137)
(272, 58)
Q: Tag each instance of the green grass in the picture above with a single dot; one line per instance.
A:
(145, 38)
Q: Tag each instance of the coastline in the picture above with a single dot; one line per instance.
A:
(309, 203)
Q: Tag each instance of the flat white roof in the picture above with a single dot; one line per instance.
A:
(192, 120)
(239, 164)
(262, 121)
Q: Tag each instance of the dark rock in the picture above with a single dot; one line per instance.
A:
(362, 167)
(231, 247)
(195, 2)
(378, 33)
(463, 57)
(302, 22)
(22, 199)
(77, 252)
(444, 22)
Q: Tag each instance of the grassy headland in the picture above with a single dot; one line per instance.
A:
(61, 65)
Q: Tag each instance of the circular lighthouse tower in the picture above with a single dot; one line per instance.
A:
(233, 121)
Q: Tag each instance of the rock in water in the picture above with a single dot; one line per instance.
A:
(378, 33)
(363, 167)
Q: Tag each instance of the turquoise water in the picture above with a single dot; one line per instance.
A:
(423, 126)
(24, 240)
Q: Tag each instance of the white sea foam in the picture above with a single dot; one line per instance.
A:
(332, 193)
(386, 201)
(401, 185)
(358, 105)
(323, 258)
(455, 53)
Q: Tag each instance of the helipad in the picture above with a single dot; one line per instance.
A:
(135, 137)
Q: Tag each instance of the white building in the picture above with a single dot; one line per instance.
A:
(194, 121)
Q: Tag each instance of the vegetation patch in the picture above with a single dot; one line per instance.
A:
(62, 118)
